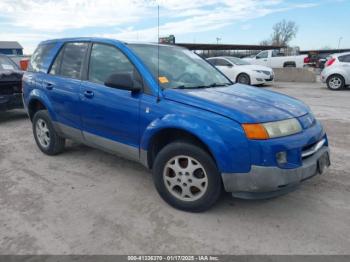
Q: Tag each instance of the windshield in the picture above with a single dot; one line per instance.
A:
(237, 61)
(178, 67)
(7, 64)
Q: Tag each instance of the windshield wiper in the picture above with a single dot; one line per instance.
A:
(190, 87)
(203, 86)
(218, 85)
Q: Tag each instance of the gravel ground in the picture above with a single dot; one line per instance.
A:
(85, 201)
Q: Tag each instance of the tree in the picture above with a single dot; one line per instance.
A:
(283, 32)
(265, 42)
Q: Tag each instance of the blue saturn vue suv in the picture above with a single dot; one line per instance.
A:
(169, 109)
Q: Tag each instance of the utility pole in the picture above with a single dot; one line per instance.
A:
(217, 40)
(340, 38)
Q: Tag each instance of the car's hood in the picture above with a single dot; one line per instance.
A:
(242, 103)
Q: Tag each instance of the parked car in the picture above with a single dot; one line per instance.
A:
(322, 59)
(10, 84)
(184, 120)
(337, 71)
(20, 60)
(276, 59)
(241, 71)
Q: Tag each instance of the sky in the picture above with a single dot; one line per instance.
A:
(321, 23)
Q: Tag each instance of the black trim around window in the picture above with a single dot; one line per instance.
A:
(63, 49)
(145, 88)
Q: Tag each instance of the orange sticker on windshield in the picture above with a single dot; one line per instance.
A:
(163, 80)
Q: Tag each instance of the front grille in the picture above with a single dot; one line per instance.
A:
(311, 149)
(10, 88)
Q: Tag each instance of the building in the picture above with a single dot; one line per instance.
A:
(10, 48)
(209, 50)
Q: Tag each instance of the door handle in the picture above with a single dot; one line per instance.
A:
(89, 94)
(48, 85)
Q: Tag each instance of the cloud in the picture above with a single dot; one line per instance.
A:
(57, 16)
(126, 20)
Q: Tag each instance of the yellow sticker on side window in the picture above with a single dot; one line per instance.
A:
(163, 80)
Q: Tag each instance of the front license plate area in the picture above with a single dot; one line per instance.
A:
(323, 162)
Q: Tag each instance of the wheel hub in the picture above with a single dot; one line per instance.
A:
(42, 133)
(185, 178)
(335, 83)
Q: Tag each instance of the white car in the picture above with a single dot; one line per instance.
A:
(336, 72)
(276, 59)
(240, 71)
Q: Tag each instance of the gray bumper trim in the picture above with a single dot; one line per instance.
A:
(272, 179)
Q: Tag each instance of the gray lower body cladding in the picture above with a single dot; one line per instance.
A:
(266, 182)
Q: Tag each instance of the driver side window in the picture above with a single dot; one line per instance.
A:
(106, 60)
(261, 55)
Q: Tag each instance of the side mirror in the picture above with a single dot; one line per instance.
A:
(124, 81)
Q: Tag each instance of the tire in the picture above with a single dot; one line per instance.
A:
(243, 79)
(200, 188)
(335, 82)
(47, 139)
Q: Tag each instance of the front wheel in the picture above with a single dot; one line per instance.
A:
(186, 177)
(243, 79)
(45, 135)
(335, 82)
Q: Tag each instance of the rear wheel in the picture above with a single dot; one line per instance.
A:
(186, 177)
(335, 82)
(243, 79)
(47, 139)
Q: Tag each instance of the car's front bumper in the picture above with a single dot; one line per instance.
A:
(266, 182)
(8, 102)
(260, 79)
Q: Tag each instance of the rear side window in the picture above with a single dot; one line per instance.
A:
(38, 58)
(212, 61)
(222, 62)
(106, 60)
(55, 68)
(72, 60)
(344, 58)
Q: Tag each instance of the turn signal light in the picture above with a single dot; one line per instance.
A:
(255, 131)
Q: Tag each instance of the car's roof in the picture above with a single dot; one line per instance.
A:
(100, 39)
(340, 54)
(71, 39)
(225, 57)
(216, 57)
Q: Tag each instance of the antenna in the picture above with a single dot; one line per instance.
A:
(158, 95)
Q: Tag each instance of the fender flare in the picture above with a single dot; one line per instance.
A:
(40, 96)
(200, 129)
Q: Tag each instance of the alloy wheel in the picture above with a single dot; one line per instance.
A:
(185, 178)
(42, 133)
(335, 82)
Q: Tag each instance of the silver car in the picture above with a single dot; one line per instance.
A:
(337, 71)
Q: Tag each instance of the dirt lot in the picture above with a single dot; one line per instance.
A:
(89, 202)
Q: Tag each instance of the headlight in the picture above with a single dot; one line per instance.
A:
(272, 129)
(258, 71)
(283, 128)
